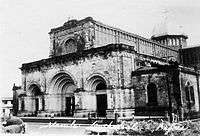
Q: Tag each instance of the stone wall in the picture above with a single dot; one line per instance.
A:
(192, 79)
(88, 33)
(115, 69)
(140, 88)
(83, 36)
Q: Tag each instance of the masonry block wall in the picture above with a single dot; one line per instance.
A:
(140, 87)
(115, 69)
(89, 71)
(184, 93)
(190, 81)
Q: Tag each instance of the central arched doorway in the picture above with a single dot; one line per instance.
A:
(98, 84)
(64, 86)
(37, 99)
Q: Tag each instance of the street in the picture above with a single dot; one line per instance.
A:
(42, 129)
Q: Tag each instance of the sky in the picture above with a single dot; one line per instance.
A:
(24, 25)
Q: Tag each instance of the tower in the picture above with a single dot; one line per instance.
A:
(169, 34)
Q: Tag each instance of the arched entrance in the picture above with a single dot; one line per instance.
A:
(152, 94)
(98, 84)
(101, 99)
(189, 93)
(37, 99)
(70, 46)
(64, 86)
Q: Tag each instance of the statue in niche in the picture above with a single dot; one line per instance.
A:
(80, 41)
(91, 36)
(59, 50)
(85, 36)
(88, 35)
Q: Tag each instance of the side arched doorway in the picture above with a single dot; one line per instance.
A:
(152, 94)
(98, 84)
(189, 93)
(101, 99)
(38, 101)
(64, 86)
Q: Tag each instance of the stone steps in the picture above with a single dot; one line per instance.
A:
(67, 120)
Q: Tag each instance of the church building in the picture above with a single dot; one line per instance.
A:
(96, 69)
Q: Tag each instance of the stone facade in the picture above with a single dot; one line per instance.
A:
(192, 80)
(177, 90)
(84, 74)
(90, 72)
(190, 56)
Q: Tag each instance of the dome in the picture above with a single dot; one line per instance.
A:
(169, 34)
(167, 28)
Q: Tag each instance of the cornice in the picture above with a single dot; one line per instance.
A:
(101, 51)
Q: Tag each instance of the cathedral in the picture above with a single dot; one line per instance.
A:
(99, 70)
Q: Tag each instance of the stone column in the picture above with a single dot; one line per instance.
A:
(46, 102)
(170, 42)
(52, 45)
(114, 98)
(109, 97)
(58, 103)
(176, 41)
(31, 102)
(117, 96)
(91, 101)
(122, 98)
(83, 100)
(78, 100)
(19, 104)
(126, 99)
(132, 98)
(40, 103)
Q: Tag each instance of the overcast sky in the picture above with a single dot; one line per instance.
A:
(24, 25)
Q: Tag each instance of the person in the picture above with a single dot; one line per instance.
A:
(13, 124)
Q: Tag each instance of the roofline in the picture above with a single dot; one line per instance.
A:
(64, 27)
(165, 69)
(191, 47)
(7, 98)
(90, 19)
(168, 35)
(132, 34)
(80, 54)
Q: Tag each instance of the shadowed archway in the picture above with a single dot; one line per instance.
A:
(64, 86)
(37, 97)
(99, 86)
(152, 94)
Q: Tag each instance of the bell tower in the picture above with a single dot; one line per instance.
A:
(169, 34)
(175, 41)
